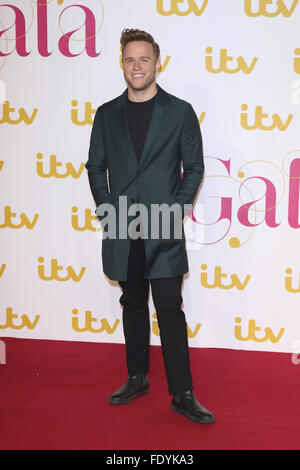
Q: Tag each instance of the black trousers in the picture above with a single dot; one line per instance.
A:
(167, 299)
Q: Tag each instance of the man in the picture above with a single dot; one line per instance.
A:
(141, 137)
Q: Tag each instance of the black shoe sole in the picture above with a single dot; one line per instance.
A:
(124, 401)
(195, 419)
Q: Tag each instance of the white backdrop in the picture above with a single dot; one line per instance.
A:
(238, 63)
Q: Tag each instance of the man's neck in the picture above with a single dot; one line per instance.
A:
(142, 95)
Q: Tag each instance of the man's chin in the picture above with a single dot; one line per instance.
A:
(139, 86)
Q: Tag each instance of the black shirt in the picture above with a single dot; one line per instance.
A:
(138, 117)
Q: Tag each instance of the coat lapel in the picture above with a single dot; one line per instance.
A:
(155, 127)
(122, 129)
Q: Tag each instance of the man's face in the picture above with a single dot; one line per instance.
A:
(140, 65)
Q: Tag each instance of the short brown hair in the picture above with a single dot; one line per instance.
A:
(129, 35)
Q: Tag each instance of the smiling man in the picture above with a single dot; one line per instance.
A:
(141, 138)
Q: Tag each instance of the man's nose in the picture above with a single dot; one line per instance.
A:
(137, 65)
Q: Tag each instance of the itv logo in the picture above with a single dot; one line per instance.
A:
(181, 7)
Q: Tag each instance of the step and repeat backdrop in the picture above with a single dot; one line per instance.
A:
(238, 63)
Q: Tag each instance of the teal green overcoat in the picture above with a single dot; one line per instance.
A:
(174, 137)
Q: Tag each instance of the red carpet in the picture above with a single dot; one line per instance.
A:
(54, 396)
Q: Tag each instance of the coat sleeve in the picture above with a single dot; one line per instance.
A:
(97, 162)
(192, 157)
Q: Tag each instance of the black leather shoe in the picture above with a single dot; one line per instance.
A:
(136, 386)
(186, 404)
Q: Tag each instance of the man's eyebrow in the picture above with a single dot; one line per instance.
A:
(141, 57)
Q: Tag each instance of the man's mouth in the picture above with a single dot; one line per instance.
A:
(138, 75)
